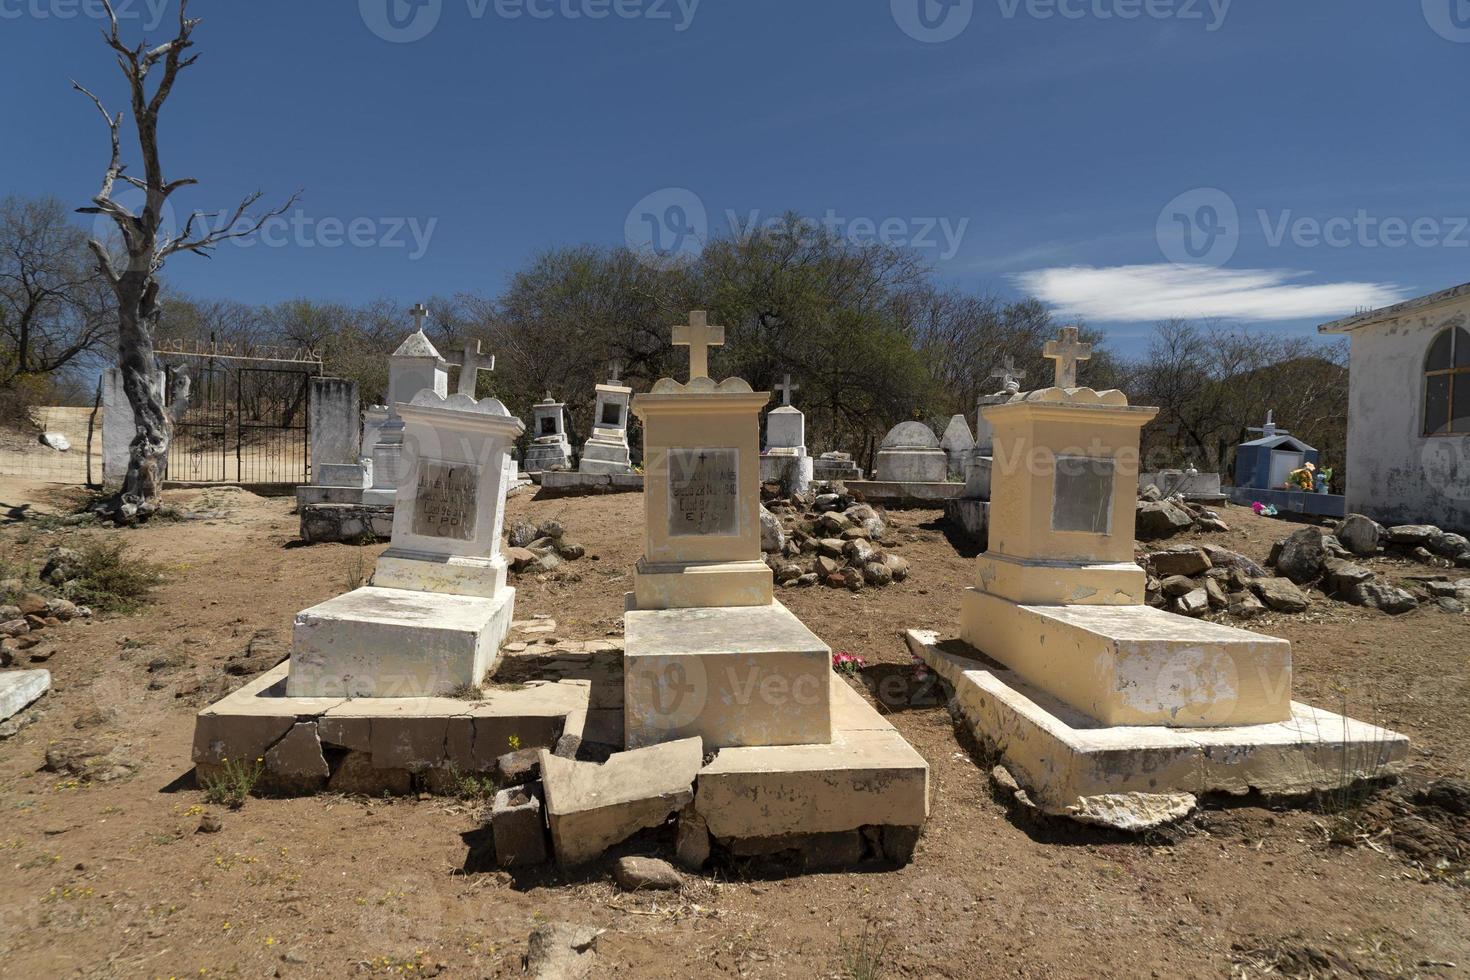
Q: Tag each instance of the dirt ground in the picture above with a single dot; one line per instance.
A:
(111, 879)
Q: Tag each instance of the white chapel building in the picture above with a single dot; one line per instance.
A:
(1408, 441)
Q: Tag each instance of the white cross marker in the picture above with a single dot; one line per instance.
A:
(615, 368)
(786, 388)
(419, 314)
(699, 337)
(1067, 351)
(474, 363)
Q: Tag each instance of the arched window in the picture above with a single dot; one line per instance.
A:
(1447, 384)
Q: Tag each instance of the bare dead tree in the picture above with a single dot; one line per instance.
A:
(133, 275)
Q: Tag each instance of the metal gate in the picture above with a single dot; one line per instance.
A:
(241, 425)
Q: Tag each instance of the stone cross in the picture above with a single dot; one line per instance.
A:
(1067, 351)
(419, 314)
(615, 369)
(474, 363)
(1269, 430)
(699, 337)
(1008, 375)
(786, 388)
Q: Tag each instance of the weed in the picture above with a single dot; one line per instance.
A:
(865, 957)
(112, 580)
(356, 569)
(473, 787)
(466, 692)
(234, 782)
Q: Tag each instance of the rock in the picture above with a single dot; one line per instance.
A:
(899, 843)
(523, 533)
(787, 574)
(1216, 593)
(62, 565)
(635, 874)
(1334, 547)
(1180, 561)
(1377, 595)
(1246, 606)
(831, 547)
(1177, 585)
(1423, 554)
(833, 523)
(1446, 604)
(1281, 595)
(19, 689)
(1132, 812)
(1450, 545)
(88, 760)
(1161, 519)
(62, 609)
(15, 627)
(773, 536)
(590, 807)
(859, 553)
(1359, 535)
(827, 501)
(875, 528)
(1193, 604)
(1448, 794)
(1302, 556)
(692, 844)
(550, 529)
(827, 567)
(1151, 493)
(1340, 576)
(546, 563)
(522, 766)
(210, 823)
(898, 566)
(878, 574)
(808, 580)
(518, 827)
(56, 441)
(569, 550)
(859, 513)
(562, 951)
(855, 534)
(1414, 535)
(31, 604)
(1212, 524)
(520, 558)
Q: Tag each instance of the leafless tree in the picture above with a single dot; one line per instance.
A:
(146, 246)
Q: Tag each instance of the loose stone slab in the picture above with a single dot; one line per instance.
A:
(385, 740)
(749, 675)
(906, 494)
(21, 688)
(590, 807)
(867, 776)
(1062, 755)
(375, 642)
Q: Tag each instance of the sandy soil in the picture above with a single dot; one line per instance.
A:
(112, 879)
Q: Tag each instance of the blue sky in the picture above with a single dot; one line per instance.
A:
(1273, 163)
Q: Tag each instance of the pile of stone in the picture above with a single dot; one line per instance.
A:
(535, 549)
(1160, 517)
(1194, 581)
(30, 615)
(828, 537)
(1424, 543)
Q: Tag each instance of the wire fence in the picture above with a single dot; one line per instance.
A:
(26, 457)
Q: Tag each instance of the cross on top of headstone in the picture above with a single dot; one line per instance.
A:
(1010, 378)
(1067, 351)
(786, 388)
(420, 313)
(1269, 430)
(615, 371)
(474, 363)
(699, 336)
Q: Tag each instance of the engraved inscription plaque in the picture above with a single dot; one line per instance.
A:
(1083, 498)
(445, 504)
(704, 492)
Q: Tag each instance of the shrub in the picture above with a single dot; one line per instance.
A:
(234, 783)
(111, 579)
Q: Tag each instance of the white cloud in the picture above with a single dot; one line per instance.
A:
(1148, 293)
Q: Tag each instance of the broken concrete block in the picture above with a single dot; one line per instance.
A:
(295, 764)
(356, 776)
(693, 842)
(519, 827)
(1132, 812)
(592, 807)
(516, 768)
(20, 688)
